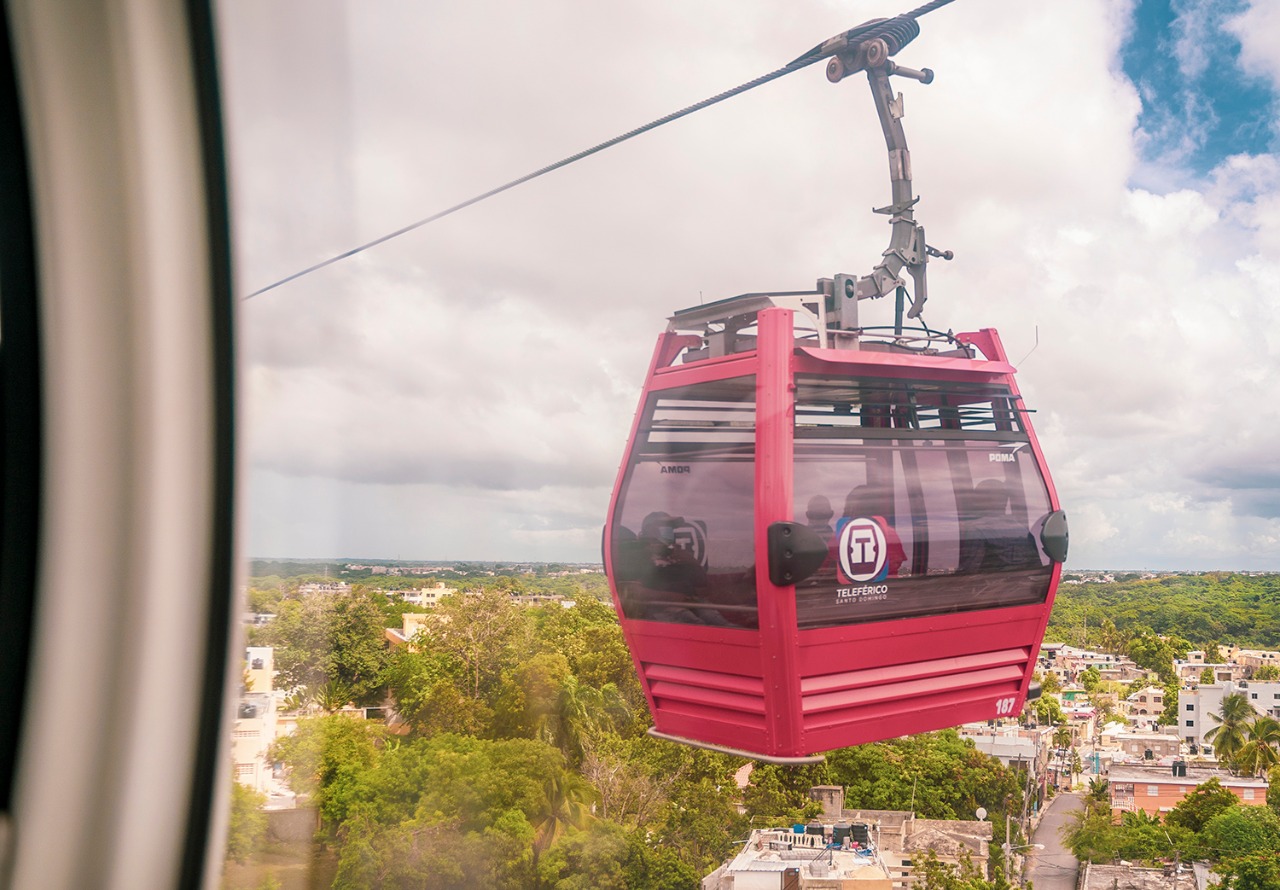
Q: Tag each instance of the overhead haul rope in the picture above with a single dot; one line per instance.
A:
(886, 28)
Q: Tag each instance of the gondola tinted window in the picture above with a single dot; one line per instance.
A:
(929, 494)
(683, 545)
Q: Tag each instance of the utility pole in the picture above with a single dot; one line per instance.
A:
(1008, 850)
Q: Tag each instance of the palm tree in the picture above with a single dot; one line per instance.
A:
(1228, 737)
(1260, 753)
(333, 696)
(582, 713)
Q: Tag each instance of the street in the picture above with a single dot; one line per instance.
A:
(1054, 867)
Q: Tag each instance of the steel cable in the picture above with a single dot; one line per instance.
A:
(887, 27)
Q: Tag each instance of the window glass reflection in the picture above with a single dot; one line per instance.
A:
(931, 500)
(683, 542)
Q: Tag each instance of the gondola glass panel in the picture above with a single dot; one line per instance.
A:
(684, 550)
(930, 497)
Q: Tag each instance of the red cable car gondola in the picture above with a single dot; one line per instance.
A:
(820, 537)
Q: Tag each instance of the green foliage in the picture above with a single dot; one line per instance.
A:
(1169, 717)
(1210, 607)
(931, 874)
(1092, 834)
(1089, 678)
(1233, 717)
(1241, 831)
(247, 829)
(422, 853)
(330, 638)
(587, 860)
(1205, 802)
(938, 774)
(325, 756)
(1273, 789)
(1206, 677)
(1047, 711)
(486, 635)
(432, 694)
(1157, 653)
(697, 824)
(1254, 871)
(1260, 751)
(779, 795)
(1049, 683)
(1267, 673)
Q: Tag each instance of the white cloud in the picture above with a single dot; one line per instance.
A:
(1258, 30)
(466, 390)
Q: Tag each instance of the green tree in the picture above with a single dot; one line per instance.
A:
(1273, 789)
(1241, 831)
(1206, 677)
(1170, 715)
(432, 694)
(938, 775)
(1111, 639)
(932, 874)
(1253, 871)
(247, 829)
(586, 860)
(1233, 717)
(702, 822)
(779, 795)
(1261, 751)
(326, 756)
(1062, 737)
(633, 788)
(424, 852)
(1205, 802)
(582, 714)
(330, 637)
(1089, 678)
(1267, 673)
(566, 805)
(1157, 653)
(1048, 711)
(485, 634)
(1049, 683)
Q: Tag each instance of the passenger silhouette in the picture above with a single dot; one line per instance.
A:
(674, 574)
(819, 514)
(991, 538)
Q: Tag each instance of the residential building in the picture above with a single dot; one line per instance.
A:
(1158, 789)
(1137, 746)
(802, 858)
(1083, 722)
(411, 623)
(255, 725)
(315, 587)
(1190, 671)
(1197, 707)
(1145, 707)
(1133, 877)
(1252, 659)
(1011, 744)
(260, 669)
(1069, 663)
(428, 597)
(901, 838)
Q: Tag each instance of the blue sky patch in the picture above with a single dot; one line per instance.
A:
(1198, 106)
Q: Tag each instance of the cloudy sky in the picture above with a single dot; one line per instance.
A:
(1106, 171)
